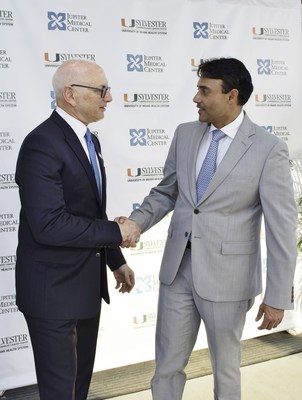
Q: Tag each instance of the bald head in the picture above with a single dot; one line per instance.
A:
(78, 88)
(73, 71)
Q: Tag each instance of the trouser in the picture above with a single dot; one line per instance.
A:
(180, 311)
(64, 352)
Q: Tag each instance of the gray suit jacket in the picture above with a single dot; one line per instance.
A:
(252, 180)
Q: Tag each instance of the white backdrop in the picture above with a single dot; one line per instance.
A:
(150, 51)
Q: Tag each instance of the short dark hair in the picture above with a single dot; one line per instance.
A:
(233, 74)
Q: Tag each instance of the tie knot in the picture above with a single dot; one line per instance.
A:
(217, 135)
(88, 135)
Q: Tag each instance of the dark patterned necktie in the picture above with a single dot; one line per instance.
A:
(93, 159)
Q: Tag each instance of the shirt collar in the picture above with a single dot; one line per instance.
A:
(232, 128)
(78, 126)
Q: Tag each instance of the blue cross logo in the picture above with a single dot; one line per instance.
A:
(264, 67)
(138, 137)
(135, 63)
(56, 21)
(201, 30)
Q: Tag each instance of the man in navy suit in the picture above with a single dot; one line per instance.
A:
(65, 238)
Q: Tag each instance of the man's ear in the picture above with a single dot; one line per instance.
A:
(68, 95)
(233, 96)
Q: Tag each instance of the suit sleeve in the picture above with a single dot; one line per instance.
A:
(280, 217)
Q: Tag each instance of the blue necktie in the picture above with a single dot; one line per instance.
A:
(209, 165)
(93, 160)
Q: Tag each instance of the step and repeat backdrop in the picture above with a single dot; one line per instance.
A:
(150, 51)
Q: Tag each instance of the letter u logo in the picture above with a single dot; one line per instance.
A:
(128, 99)
(124, 24)
(141, 320)
(57, 58)
(255, 31)
(138, 170)
(260, 99)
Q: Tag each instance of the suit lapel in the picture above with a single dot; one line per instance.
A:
(74, 143)
(239, 146)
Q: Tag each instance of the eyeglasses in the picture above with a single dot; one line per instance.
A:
(102, 90)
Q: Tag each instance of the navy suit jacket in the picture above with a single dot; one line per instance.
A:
(65, 238)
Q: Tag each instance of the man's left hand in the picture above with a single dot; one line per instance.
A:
(125, 279)
(271, 317)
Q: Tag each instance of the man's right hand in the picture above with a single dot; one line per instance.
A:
(130, 231)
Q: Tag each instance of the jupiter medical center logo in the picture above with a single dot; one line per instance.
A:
(56, 21)
(281, 131)
(145, 63)
(138, 137)
(53, 102)
(146, 284)
(148, 137)
(8, 223)
(210, 31)
(7, 142)
(71, 22)
(5, 59)
(271, 67)
(8, 304)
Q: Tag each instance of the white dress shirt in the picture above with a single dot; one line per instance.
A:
(230, 131)
(78, 127)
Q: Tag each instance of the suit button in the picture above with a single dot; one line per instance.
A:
(186, 234)
(196, 211)
(98, 254)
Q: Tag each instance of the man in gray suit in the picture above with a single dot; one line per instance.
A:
(211, 267)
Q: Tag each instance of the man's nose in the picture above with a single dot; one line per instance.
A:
(196, 98)
(108, 97)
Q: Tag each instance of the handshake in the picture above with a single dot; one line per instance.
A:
(130, 231)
